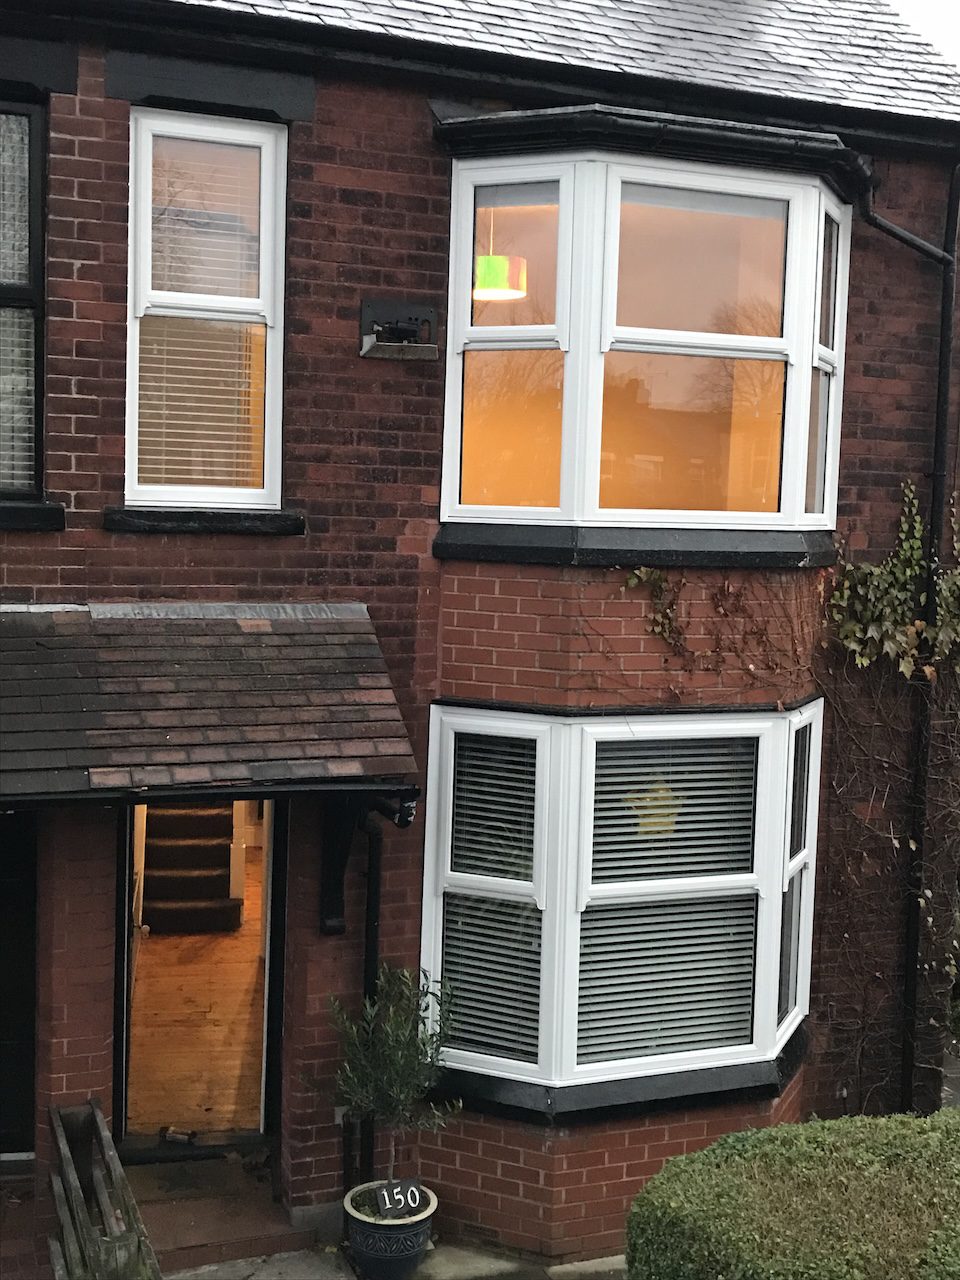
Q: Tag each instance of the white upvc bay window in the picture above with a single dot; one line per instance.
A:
(205, 336)
(616, 897)
(643, 342)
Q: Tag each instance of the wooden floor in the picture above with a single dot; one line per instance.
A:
(196, 1034)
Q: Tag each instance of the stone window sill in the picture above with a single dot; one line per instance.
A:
(33, 515)
(159, 520)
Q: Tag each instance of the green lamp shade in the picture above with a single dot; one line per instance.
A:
(498, 278)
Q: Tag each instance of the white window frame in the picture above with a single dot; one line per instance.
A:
(266, 309)
(586, 328)
(562, 886)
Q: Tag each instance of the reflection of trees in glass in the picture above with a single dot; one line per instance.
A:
(742, 383)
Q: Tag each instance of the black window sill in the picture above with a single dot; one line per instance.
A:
(658, 548)
(546, 1104)
(36, 515)
(159, 520)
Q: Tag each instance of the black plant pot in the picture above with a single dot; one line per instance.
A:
(387, 1248)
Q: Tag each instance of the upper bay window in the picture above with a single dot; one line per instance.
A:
(643, 343)
(205, 343)
(620, 897)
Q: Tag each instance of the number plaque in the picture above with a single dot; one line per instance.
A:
(400, 1199)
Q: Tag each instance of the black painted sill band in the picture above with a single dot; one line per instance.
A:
(159, 520)
(542, 1103)
(39, 516)
(658, 548)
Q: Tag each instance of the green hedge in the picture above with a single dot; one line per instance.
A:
(853, 1199)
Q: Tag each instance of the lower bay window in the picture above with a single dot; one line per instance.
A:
(617, 897)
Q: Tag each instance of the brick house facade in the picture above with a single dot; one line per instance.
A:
(530, 634)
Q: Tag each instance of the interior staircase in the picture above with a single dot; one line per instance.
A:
(186, 883)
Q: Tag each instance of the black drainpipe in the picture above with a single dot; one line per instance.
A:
(946, 257)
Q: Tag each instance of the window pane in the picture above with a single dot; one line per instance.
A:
(491, 961)
(800, 789)
(828, 282)
(674, 808)
(206, 217)
(515, 253)
(17, 405)
(14, 199)
(201, 402)
(701, 261)
(789, 948)
(494, 792)
(817, 440)
(699, 433)
(512, 406)
(665, 977)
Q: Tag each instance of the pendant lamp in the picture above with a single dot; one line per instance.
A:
(498, 277)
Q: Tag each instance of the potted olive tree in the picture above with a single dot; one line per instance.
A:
(391, 1063)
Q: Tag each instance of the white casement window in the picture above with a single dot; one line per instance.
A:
(617, 897)
(205, 340)
(647, 342)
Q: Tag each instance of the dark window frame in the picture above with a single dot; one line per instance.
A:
(32, 295)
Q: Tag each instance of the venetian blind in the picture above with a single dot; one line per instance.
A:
(665, 977)
(201, 418)
(670, 808)
(17, 403)
(494, 790)
(491, 961)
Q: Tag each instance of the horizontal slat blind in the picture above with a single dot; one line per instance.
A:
(494, 792)
(17, 404)
(201, 402)
(665, 977)
(669, 808)
(491, 962)
(14, 199)
(206, 217)
(801, 784)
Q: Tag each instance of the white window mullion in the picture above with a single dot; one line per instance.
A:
(769, 837)
(799, 302)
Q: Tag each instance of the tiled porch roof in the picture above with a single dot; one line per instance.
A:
(106, 699)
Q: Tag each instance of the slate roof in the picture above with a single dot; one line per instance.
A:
(851, 53)
(104, 699)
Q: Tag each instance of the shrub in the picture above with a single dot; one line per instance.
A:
(852, 1199)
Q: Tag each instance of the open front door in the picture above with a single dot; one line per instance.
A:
(199, 924)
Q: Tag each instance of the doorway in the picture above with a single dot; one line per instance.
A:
(198, 920)
(18, 983)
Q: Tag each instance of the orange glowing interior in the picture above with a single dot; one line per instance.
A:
(512, 402)
(691, 433)
(700, 261)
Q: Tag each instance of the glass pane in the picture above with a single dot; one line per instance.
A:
(665, 977)
(17, 405)
(14, 199)
(691, 433)
(206, 217)
(491, 962)
(789, 948)
(494, 798)
(701, 261)
(817, 440)
(201, 402)
(800, 790)
(828, 282)
(512, 408)
(515, 253)
(674, 808)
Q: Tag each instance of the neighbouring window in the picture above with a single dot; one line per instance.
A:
(629, 341)
(618, 897)
(206, 332)
(21, 301)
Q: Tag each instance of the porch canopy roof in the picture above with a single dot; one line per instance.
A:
(116, 699)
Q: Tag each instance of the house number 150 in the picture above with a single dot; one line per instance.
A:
(399, 1199)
